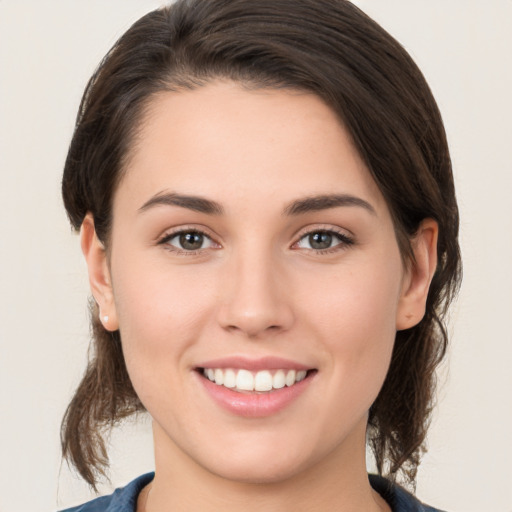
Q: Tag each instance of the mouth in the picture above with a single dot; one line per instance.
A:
(242, 380)
(255, 387)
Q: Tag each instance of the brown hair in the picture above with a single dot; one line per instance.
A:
(329, 48)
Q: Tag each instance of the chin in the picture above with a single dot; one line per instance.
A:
(260, 460)
(256, 472)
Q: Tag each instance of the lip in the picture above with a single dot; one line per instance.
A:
(254, 365)
(253, 404)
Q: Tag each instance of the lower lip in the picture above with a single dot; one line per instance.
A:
(254, 405)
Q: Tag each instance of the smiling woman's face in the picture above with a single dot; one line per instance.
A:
(251, 246)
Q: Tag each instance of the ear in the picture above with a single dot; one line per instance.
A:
(418, 276)
(99, 273)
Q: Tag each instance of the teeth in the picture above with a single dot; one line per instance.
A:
(219, 377)
(289, 380)
(301, 375)
(244, 380)
(279, 380)
(229, 379)
(263, 381)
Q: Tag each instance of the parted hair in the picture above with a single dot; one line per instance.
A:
(326, 47)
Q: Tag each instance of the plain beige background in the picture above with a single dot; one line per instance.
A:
(48, 49)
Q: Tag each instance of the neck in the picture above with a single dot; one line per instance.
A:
(338, 482)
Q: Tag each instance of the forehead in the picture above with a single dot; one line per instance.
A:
(226, 141)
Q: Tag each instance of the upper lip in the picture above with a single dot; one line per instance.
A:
(254, 364)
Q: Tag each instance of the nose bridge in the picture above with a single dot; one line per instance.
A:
(253, 298)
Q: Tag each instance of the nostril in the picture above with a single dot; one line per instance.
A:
(254, 312)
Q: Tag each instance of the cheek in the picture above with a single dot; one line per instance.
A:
(354, 314)
(161, 310)
(153, 293)
(360, 299)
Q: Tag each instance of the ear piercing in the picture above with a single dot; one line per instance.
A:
(104, 318)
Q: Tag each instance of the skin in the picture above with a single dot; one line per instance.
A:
(255, 288)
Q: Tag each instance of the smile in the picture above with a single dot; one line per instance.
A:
(255, 387)
(243, 380)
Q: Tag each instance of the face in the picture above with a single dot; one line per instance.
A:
(256, 280)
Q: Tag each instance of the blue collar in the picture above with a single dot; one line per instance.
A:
(125, 498)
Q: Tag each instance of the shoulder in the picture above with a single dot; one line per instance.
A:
(397, 497)
(123, 499)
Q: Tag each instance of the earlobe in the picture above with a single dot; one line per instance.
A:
(99, 273)
(416, 284)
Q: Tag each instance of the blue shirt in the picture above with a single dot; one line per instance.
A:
(125, 498)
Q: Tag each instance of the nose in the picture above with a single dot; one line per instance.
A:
(256, 299)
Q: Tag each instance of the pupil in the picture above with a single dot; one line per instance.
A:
(191, 241)
(320, 240)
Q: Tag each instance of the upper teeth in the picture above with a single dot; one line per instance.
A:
(244, 380)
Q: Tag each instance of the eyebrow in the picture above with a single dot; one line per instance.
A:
(297, 207)
(326, 201)
(196, 203)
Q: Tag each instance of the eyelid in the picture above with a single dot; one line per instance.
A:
(170, 233)
(347, 237)
(197, 228)
(313, 228)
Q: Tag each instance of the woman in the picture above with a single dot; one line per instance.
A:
(266, 208)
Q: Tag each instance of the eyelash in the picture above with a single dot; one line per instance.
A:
(345, 241)
(184, 231)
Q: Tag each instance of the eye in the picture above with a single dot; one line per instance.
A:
(322, 240)
(188, 241)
